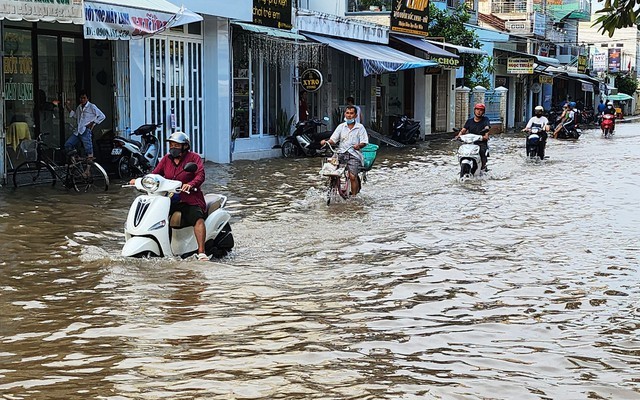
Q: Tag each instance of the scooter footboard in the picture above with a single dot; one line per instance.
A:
(140, 246)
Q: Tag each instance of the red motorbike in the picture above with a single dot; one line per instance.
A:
(607, 125)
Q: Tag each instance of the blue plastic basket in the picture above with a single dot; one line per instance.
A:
(369, 152)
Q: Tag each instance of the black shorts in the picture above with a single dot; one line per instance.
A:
(190, 214)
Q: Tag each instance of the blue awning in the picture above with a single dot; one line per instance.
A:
(376, 58)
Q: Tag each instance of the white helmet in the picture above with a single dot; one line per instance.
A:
(179, 137)
(539, 108)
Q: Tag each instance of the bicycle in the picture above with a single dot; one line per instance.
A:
(79, 173)
(339, 184)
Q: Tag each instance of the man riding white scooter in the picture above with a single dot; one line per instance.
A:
(190, 201)
(478, 125)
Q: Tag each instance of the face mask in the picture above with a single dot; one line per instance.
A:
(175, 153)
(350, 121)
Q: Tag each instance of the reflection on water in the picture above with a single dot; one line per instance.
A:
(518, 285)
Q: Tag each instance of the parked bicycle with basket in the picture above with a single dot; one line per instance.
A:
(338, 181)
(79, 173)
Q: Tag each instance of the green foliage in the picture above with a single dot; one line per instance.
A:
(617, 14)
(283, 123)
(450, 26)
(626, 83)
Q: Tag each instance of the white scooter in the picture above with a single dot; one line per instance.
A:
(469, 156)
(151, 231)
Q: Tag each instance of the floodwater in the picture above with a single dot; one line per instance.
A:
(521, 285)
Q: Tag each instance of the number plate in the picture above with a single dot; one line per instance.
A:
(116, 152)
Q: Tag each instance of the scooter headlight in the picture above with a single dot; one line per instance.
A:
(150, 183)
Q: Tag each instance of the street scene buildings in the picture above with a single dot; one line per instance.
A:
(229, 74)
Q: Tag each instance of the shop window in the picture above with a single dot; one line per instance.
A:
(256, 91)
(368, 5)
(18, 90)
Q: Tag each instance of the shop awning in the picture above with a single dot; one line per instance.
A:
(127, 19)
(618, 97)
(540, 59)
(30, 11)
(458, 48)
(376, 58)
(278, 33)
(425, 46)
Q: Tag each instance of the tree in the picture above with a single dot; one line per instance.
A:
(626, 83)
(617, 14)
(450, 26)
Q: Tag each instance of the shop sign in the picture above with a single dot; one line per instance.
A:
(450, 62)
(273, 13)
(582, 64)
(311, 80)
(16, 70)
(432, 70)
(587, 87)
(518, 27)
(545, 79)
(49, 10)
(600, 62)
(410, 17)
(614, 60)
(114, 22)
(519, 65)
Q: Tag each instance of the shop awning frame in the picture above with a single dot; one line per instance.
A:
(425, 46)
(458, 48)
(274, 32)
(376, 58)
(550, 61)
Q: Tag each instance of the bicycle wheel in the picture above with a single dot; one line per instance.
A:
(88, 176)
(32, 173)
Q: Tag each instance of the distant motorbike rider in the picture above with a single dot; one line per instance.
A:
(351, 136)
(539, 121)
(609, 109)
(567, 120)
(478, 125)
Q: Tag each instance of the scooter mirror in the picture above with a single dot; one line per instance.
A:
(326, 118)
(191, 167)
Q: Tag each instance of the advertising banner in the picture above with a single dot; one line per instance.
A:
(582, 64)
(614, 60)
(545, 79)
(272, 13)
(65, 11)
(105, 21)
(600, 62)
(410, 16)
(519, 65)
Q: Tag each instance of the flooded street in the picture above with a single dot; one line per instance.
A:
(522, 285)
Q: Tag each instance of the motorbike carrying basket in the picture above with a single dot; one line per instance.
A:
(369, 152)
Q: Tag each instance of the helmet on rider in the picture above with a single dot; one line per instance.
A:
(572, 104)
(480, 107)
(538, 111)
(182, 139)
(609, 105)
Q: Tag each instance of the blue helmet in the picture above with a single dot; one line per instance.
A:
(572, 104)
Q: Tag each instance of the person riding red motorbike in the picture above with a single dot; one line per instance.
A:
(608, 120)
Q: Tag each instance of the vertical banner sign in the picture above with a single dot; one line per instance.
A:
(600, 62)
(614, 60)
(582, 64)
(410, 16)
(273, 13)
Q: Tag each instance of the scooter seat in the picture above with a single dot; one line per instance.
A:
(134, 142)
(214, 202)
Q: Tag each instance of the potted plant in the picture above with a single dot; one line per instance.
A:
(283, 125)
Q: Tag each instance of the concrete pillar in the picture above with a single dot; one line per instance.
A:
(462, 94)
(502, 92)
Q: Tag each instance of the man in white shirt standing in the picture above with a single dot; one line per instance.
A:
(87, 116)
(351, 136)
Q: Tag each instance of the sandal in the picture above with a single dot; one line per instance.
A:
(202, 257)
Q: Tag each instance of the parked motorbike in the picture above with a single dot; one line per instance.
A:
(607, 125)
(535, 144)
(305, 139)
(134, 158)
(469, 156)
(151, 231)
(406, 130)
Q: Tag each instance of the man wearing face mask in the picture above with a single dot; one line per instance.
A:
(351, 136)
(190, 201)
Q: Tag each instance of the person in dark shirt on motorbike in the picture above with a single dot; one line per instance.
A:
(191, 201)
(478, 125)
